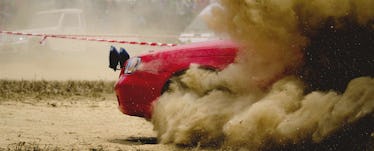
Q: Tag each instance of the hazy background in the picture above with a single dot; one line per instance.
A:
(60, 59)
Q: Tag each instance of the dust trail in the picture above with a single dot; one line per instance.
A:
(303, 76)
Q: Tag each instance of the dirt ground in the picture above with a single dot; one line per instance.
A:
(73, 125)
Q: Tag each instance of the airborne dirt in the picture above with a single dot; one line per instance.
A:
(304, 74)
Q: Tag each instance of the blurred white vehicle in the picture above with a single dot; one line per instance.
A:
(58, 21)
(197, 30)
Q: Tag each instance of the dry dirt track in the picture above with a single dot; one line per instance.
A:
(73, 125)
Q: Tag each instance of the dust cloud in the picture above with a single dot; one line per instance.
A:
(303, 80)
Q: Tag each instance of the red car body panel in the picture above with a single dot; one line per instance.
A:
(137, 91)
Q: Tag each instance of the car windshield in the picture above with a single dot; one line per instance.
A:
(45, 20)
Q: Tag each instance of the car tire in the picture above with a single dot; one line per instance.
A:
(176, 79)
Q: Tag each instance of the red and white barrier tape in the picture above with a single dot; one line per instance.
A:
(147, 36)
(85, 38)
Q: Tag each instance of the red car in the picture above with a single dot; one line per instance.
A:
(144, 78)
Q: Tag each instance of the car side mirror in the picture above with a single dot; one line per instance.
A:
(123, 57)
(116, 57)
(113, 58)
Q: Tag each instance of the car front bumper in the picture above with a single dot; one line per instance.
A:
(136, 92)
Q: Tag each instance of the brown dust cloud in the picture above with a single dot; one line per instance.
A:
(303, 80)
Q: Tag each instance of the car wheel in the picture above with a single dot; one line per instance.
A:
(176, 80)
(191, 83)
